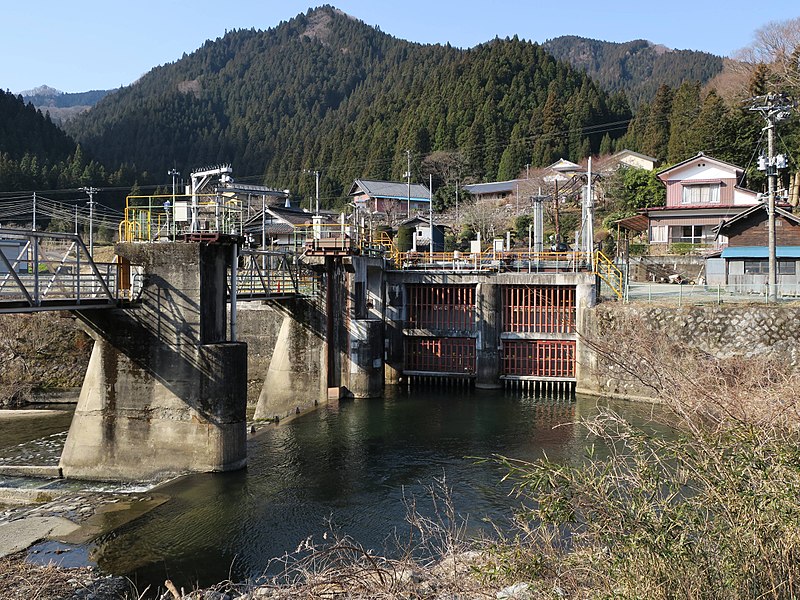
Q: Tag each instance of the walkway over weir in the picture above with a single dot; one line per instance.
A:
(54, 271)
(42, 271)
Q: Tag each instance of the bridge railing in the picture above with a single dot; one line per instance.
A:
(268, 274)
(50, 271)
(490, 260)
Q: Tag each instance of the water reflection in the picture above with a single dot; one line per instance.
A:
(348, 466)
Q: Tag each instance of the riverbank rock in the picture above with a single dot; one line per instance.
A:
(18, 535)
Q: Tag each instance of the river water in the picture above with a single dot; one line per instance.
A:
(352, 467)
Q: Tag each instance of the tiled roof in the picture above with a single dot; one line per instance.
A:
(390, 189)
(493, 187)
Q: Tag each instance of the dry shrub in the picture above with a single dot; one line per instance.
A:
(437, 559)
(20, 580)
(40, 350)
(699, 388)
(711, 513)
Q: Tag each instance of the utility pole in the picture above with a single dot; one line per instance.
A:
(316, 178)
(174, 174)
(587, 227)
(774, 108)
(91, 192)
(430, 212)
(555, 216)
(408, 179)
(34, 211)
(458, 185)
(316, 182)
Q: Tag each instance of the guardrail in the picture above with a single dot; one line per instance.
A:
(266, 274)
(54, 271)
(688, 294)
(164, 217)
(522, 262)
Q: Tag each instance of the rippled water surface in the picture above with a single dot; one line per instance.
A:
(351, 467)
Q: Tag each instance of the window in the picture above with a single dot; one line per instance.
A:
(707, 193)
(692, 234)
(658, 234)
(756, 267)
(761, 267)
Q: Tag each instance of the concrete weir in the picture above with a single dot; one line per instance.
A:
(165, 392)
(328, 345)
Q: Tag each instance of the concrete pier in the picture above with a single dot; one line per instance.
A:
(488, 340)
(165, 392)
(331, 341)
(296, 375)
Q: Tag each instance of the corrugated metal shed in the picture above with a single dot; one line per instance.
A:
(761, 252)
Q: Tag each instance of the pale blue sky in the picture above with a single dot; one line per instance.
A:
(80, 45)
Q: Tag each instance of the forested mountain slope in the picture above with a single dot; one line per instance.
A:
(36, 155)
(325, 91)
(24, 130)
(637, 68)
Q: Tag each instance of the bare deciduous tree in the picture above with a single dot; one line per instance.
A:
(776, 45)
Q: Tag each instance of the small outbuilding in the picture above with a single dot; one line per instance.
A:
(421, 239)
(744, 264)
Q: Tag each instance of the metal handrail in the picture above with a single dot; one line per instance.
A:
(491, 260)
(610, 273)
(44, 277)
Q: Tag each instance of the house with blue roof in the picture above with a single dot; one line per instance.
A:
(744, 263)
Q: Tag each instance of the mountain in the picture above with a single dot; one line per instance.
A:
(326, 91)
(637, 68)
(25, 130)
(60, 105)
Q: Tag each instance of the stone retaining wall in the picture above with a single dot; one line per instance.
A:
(722, 331)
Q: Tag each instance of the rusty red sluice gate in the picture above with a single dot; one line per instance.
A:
(538, 309)
(450, 307)
(539, 358)
(441, 355)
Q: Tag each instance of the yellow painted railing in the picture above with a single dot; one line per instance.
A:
(491, 260)
(608, 272)
(150, 218)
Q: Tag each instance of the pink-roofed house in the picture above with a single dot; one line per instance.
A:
(701, 192)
